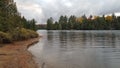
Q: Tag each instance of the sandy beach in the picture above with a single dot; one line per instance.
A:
(16, 55)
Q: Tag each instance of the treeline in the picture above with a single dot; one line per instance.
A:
(13, 26)
(85, 23)
(41, 26)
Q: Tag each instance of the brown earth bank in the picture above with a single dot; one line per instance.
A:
(15, 55)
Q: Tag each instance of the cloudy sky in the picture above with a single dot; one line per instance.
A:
(41, 10)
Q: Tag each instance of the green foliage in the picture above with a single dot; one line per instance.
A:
(17, 35)
(23, 34)
(50, 24)
(27, 34)
(5, 37)
(12, 25)
(84, 23)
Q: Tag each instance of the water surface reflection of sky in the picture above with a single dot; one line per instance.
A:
(78, 49)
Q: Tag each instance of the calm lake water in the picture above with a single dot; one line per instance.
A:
(78, 49)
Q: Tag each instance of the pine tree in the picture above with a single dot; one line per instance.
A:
(50, 23)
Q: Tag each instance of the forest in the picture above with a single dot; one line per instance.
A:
(104, 22)
(13, 26)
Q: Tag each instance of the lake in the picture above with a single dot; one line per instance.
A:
(78, 49)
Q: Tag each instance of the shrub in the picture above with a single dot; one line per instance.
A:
(23, 34)
(27, 34)
(5, 37)
(32, 34)
(17, 35)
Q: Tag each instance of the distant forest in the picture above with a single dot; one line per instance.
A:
(13, 26)
(85, 23)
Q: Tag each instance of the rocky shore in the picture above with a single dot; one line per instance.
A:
(15, 55)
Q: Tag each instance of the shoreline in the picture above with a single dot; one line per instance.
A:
(16, 55)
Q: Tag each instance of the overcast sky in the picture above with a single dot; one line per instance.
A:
(41, 10)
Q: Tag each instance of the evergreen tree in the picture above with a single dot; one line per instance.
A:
(12, 25)
(50, 23)
(84, 23)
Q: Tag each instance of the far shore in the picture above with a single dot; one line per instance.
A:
(16, 55)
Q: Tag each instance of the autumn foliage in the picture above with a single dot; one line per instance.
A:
(85, 23)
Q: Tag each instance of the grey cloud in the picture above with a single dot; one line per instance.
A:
(55, 8)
